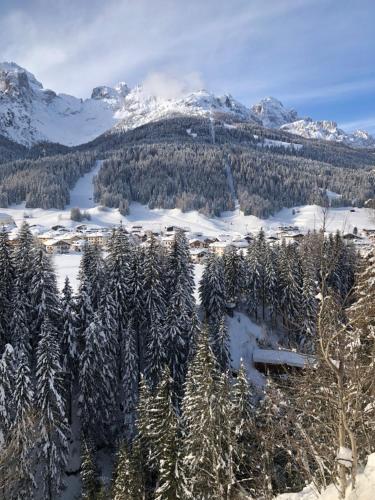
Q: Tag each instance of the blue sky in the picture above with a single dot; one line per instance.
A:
(317, 56)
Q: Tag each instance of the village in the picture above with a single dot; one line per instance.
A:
(60, 239)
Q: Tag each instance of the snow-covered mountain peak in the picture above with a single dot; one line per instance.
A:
(272, 113)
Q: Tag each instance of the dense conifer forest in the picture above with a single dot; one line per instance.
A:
(128, 370)
(162, 165)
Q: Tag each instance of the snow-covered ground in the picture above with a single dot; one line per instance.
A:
(365, 489)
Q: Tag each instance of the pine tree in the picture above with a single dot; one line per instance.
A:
(177, 335)
(88, 472)
(19, 323)
(92, 269)
(244, 430)
(131, 378)
(164, 428)
(128, 482)
(95, 384)
(45, 300)
(69, 344)
(234, 275)
(154, 303)
(212, 288)
(208, 439)
(309, 308)
(53, 430)
(219, 340)
(7, 283)
(7, 367)
(24, 427)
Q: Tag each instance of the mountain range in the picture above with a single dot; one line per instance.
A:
(30, 114)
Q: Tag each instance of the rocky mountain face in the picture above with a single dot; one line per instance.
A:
(30, 114)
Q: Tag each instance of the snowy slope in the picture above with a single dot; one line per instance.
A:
(364, 490)
(328, 131)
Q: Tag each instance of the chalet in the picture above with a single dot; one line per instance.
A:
(97, 238)
(218, 247)
(279, 361)
(351, 236)
(198, 254)
(198, 243)
(56, 246)
(167, 241)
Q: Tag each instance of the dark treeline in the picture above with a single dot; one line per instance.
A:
(125, 367)
(161, 165)
(45, 182)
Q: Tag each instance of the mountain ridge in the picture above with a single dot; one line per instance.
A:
(30, 114)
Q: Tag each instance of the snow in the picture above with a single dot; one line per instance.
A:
(82, 195)
(244, 335)
(192, 134)
(280, 144)
(345, 457)
(364, 489)
(281, 357)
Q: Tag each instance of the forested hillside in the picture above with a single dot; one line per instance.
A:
(183, 162)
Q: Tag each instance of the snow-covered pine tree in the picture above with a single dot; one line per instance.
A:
(165, 430)
(69, 344)
(51, 411)
(309, 307)
(23, 428)
(212, 288)
(130, 380)
(88, 472)
(7, 283)
(154, 303)
(19, 323)
(180, 269)
(45, 298)
(7, 373)
(219, 340)
(22, 258)
(117, 282)
(208, 441)
(92, 269)
(128, 480)
(136, 300)
(177, 335)
(95, 384)
(244, 431)
(271, 283)
(234, 275)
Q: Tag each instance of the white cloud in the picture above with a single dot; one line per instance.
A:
(170, 86)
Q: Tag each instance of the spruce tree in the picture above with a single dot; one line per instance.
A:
(50, 404)
(166, 436)
(208, 436)
(130, 380)
(45, 300)
(234, 275)
(7, 373)
(212, 288)
(95, 392)
(128, 481)
(88, 471)
(220, 344)
(23, 427)
(154, 303)
(7, 283)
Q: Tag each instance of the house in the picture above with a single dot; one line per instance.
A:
(279, 361)
(78, 245)
(198, 254)
(167, 241)
(198, 243)
(351, 236)
(218, 247)
(97, 238)
(56, 246)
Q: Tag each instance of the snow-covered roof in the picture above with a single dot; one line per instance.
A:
(281, 357)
